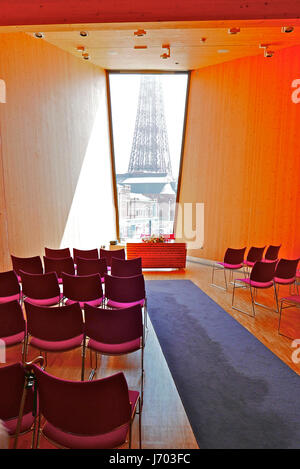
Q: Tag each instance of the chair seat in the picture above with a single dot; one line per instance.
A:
(96, 302)
(57, 346)
(117, 304)
(115, 349)
(11, 425)
(255, 284)
(13, 339)
(249, 263)
(46, 302)
(292, 299)
(284, 281)
(230, 266)
(112, 439)
(6, 299)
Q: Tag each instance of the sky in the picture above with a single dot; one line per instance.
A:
(124, 99)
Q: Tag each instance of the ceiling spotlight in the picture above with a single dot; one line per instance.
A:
(287, 29)
(86, 56)
(268, 53)
(234, 30)
(84, 33)
(140, 33)
(140, 47)
(80, 48)
(166, 55)
(39, 35)
(203, 39)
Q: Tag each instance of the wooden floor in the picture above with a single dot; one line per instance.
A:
(164, 422)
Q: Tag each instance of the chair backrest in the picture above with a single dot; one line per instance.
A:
(113, 326)
(11, 319)
(272, 253)
(40, 286)
(255, 254)
(54, 324)
(32, 265)
(126, 268)
(108, 254)
(286, 268)
(91, 266)
(86, 254)
(263, 271)
(57, 265)
(234, 256)
(84, 407)
(12, 379)
(9, 284)
(125, 289)
(57, 253)
(82, 287)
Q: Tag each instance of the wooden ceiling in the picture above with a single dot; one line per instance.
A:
(193, 45)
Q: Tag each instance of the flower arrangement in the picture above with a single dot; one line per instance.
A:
(153, 239)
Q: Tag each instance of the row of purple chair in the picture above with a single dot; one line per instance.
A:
(77, 415)
(234, 259)
(83, 266)
(104, 331)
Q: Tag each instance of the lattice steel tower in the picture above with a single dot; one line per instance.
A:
(150, 147)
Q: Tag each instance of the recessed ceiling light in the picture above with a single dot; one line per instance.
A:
(287, 29)
(80, 48)
(140, 33)
(234, 30)
(39, 35)
(223, 51)
(84, 33)
(86, 56)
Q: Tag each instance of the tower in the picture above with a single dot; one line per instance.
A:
(150, 147)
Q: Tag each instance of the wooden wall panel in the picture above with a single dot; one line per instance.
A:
(242, 155)
(53, 100)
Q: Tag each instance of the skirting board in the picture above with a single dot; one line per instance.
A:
(199, 260)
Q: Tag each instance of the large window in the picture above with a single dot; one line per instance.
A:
(148, 112)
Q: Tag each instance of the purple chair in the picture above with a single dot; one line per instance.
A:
(32, 265)
(254, 254)
(65, 264)
(108, 254)
(91, 266)
(85, 254)
(86, 414)
(286, 272)
(16, 401)
(83, 289)
(54, 329)
(123, 292)
(233, 261)
(261, 277)
(114, 332)
(126, 268)
(57, 253)
(9, 287)
(289, 302)
(272, 253)
(41, 289)
(12, 325)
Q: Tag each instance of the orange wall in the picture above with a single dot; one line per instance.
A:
(49, 142)
(242, 154)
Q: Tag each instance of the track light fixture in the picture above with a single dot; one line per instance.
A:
(84, 33)
(140, 33)
(39, 35)
(267, 52)
(166, 55)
